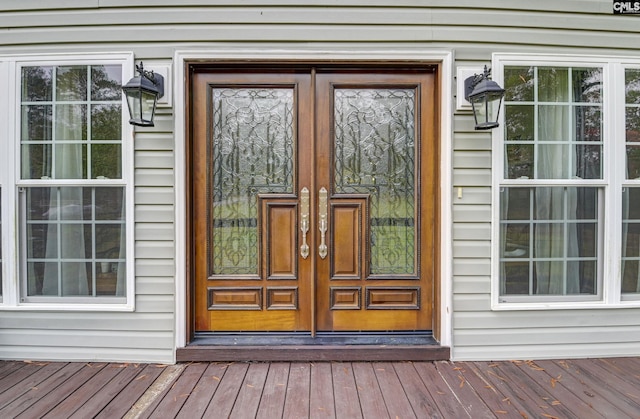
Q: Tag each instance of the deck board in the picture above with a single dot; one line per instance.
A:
(321, 398)
(246, 404)
(202, 393)
(582, 388)
(274, 392)
(297, 400)
(345, 392)
(225, 396)
(371, 399)
(424, 406)
(396, 400)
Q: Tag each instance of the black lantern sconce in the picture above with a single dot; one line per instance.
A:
(143, 92)
(485, 96)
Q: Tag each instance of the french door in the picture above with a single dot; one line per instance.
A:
(313, 199)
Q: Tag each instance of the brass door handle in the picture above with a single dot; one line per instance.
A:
(322, 222)
(304, 221)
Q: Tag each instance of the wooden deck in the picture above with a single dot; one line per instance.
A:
(594, 388)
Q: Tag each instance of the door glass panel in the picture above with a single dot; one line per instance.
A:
(374, 153)
(252, 153)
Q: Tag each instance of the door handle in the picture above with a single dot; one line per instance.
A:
(304, 221)
(322, 222)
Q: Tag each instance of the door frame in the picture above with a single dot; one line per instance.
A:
(443, 59)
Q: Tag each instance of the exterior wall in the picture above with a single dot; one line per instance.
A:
(155, 30)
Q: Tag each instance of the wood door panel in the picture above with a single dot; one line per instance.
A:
(280, 238)
(347, 238)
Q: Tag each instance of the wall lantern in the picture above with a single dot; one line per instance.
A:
(483, 94)
(142, 94)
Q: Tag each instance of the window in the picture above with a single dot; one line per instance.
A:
(72, 191)
(567, 190)
(631, 187)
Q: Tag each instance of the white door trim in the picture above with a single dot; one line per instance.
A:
(446, 76)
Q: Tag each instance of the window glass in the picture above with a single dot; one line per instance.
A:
(550, 236)
(71, 122)
(631, 194)
(75, 241)
(553, 123)
(549, 240)
(73, 236)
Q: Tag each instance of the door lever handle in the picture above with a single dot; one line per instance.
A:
(322, 222)
(304, 221)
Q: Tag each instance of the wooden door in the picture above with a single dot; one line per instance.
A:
(313, 203)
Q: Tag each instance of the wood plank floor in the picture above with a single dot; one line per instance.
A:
(588, 388)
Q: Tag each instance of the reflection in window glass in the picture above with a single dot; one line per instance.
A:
(69, 114)
(549, 241)
(553, 123)
(75, 241)
(72, 237)
(631, 240)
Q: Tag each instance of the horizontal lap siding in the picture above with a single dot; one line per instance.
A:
(155, 29)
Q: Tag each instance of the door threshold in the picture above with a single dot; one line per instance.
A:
(267, 347)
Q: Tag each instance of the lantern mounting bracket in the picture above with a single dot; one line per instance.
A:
(156, 79)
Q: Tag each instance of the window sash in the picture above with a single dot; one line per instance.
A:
(612, 182)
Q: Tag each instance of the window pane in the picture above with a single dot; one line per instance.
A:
(553, 161)
(106, 122)
(37, 84)
(106, 82)
(556, 246)
(71, 83)
(632, 123)
(553, 84)
(106, 161)
(36, 123)
(518, 82)
(587, 85)
(36, 161)
(70, 253)
(520, 122)
(633, 161)
(70, 161)
(632, 85)
(553, 123)
(588, 123)
(71, 122)
(519, 161)
(631, 240)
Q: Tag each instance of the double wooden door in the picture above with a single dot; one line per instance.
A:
(313, 199)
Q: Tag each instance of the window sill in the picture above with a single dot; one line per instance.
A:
(65, 307)
(564, 305)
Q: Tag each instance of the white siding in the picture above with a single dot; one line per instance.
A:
(155, 29)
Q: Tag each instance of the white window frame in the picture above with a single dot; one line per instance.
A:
(613, 179)
(11, 181)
